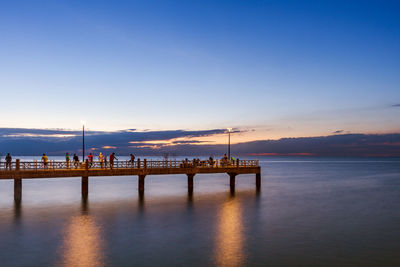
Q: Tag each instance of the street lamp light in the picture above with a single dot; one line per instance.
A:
(83, 140)
(229, 143)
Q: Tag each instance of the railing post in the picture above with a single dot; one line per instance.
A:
(237, 162)
(138, 163)
(86, 164)
(145, 163)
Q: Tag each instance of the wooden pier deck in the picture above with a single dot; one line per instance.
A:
(19, 170)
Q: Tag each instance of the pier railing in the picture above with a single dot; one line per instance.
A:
(127, 164)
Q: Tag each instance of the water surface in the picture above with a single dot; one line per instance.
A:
(310, 212)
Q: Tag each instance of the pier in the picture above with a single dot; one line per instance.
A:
(20, 170)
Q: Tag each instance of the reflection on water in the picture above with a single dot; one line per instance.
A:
(230, 238)
(83, 245)
(17, 211)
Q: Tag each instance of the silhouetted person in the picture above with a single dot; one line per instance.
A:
(8, 161)
(132, 159)
(76, 161)
(211, 161)
(112, 158)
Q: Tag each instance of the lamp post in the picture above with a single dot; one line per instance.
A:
(229, 143)
(83, 140)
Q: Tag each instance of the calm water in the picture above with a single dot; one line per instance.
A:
(309, 213)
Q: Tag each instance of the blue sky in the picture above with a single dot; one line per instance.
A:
(270, 68)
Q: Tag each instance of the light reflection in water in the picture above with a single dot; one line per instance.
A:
(82, 243)
(230, 238)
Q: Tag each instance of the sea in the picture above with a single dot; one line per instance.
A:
(309, 212)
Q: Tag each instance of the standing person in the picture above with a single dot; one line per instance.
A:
(105, 161)
(132, 159)
(224, 160)
(67, 159)
(8, 161)
(45, 160)
(76, 161)
(112, 158)
(90, 157)
(101, 158)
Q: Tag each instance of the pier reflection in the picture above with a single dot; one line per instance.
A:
(82, 245)
(230, 237)
(17, 211)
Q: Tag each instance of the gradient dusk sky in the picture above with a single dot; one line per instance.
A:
(271, 68)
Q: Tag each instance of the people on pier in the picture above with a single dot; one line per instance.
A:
(105, 161)
(45, 161)
(132, 160)
(101, 158)
(211, 161)
(67, 159)
(112, 158)
(8, 161)
(76, 161)
(224, 160)
(90, 160)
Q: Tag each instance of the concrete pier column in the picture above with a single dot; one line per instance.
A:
(141, 184)
(85, 186)
(17, 190)
(190, 182)
(232, 177)
(258, 181)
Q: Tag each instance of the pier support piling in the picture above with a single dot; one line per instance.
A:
(17, 190)
(85, 186)
(141, 184)
(258, 181)
(190, 182)
(232, 177)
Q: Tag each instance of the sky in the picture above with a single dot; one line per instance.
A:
(268, 69)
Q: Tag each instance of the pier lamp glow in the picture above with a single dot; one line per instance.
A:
(83, 139)
(229, 143)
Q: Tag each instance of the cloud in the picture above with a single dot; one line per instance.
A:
(24, 141)
(350, 145)
(395, 105)
(181, 142)
(338, 131)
